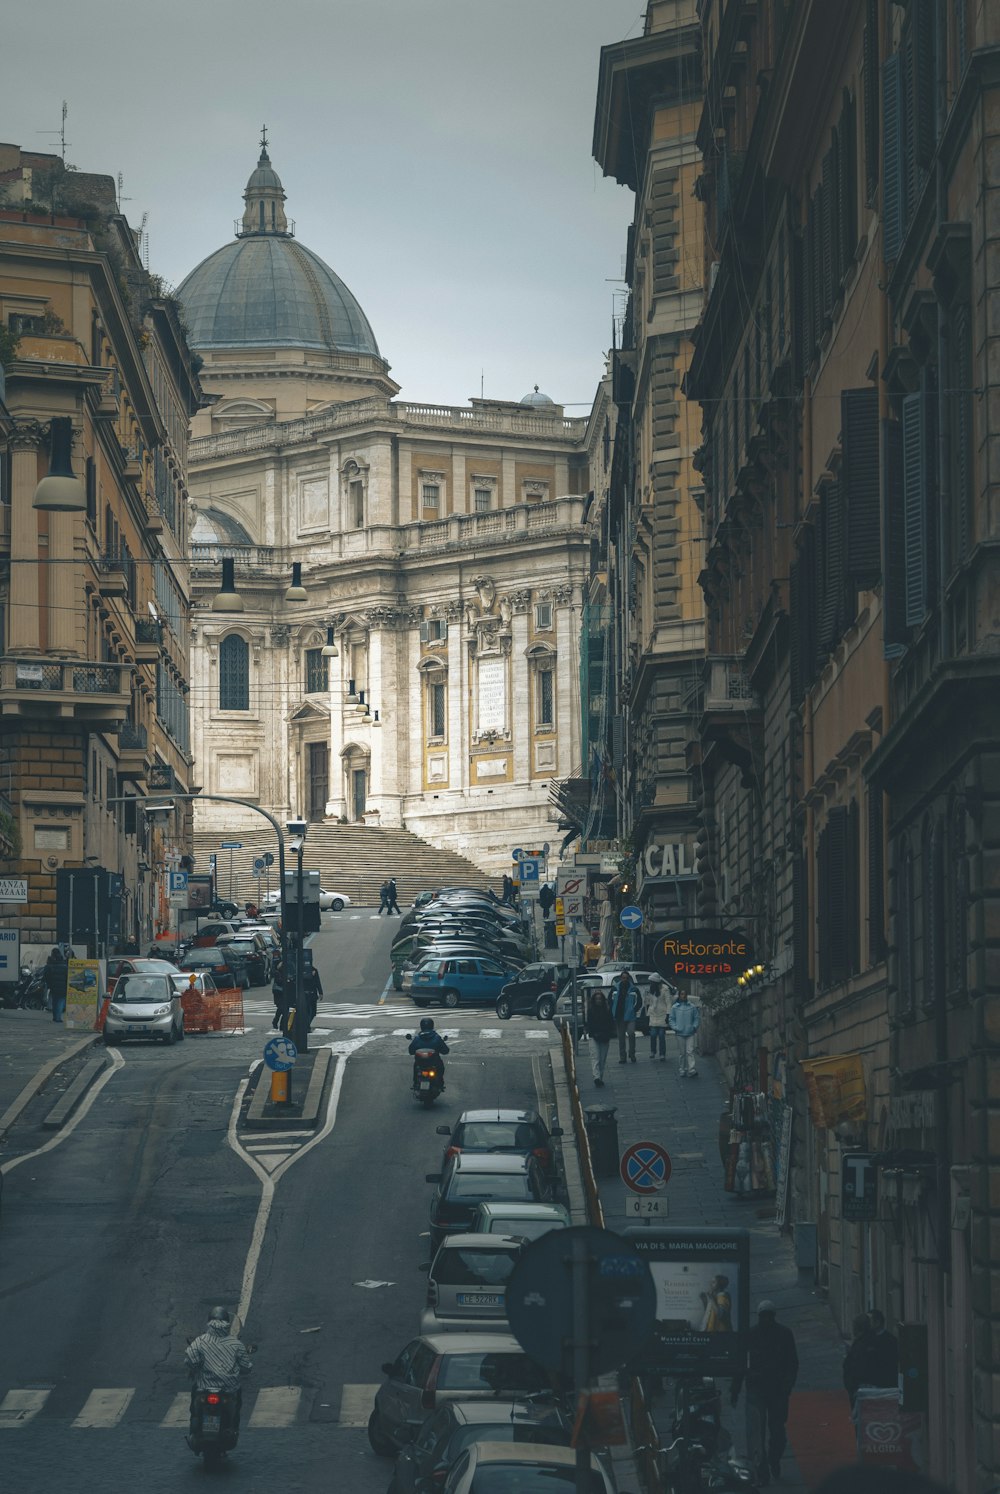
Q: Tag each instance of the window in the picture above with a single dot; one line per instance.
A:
(543, 616)
(437, 710)
(483, 500)
(172, 707)
(234, 674)
(546, 715)
(431, 494)
(91, 487)
(356, 503)
(434, 630)
(317, 672)
(358, 659)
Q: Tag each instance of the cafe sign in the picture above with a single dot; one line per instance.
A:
(702, 954)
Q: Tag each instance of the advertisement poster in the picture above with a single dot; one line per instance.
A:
(199, 893)
(702, 1298)
(84, 984)
(887, 1435)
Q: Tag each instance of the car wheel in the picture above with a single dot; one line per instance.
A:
(546, 1009)
(380, 1443)
(180, 1033)
(451, 998)
(504, 1009)
(170, 1037)
(420, 1001)
(337, 905)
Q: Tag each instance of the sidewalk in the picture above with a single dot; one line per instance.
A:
(654, 1104)
(32, 1047)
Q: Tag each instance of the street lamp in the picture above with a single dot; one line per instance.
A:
(228, 599)
(329, 649)
(296, 592)
(300, 1031)
(62, 491)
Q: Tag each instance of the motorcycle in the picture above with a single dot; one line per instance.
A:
(700, 1456)
(215, 1423)
(428, 1075)
(28, 991)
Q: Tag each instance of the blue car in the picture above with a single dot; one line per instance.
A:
(460, 981)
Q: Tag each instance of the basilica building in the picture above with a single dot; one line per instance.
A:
(401, 643)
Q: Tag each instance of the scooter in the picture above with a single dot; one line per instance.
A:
(428, 1075)
(28, 991)
(215, 1423)
(700, 1456)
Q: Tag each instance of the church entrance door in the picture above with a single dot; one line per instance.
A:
(319, 779)
(359, 783)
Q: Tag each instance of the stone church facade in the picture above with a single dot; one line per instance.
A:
(442, 555)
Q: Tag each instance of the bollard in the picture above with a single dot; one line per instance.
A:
(281, 1087)
(602, 1136)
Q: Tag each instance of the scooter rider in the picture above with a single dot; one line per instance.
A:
(428, 1037)
(217, 1360)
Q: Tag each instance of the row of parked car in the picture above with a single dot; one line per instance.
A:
(463, 1409)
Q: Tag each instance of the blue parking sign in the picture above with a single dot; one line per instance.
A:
(528, 871)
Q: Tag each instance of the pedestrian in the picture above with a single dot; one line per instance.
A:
(314, 990)
(884, 1367)
(383, 896)
(252, 911)
(279, 990)
(626, 1008)
(55, 976)
(684, 1021)
(858, 1359)
(508, 890)
(657, 1009)
(393, 906)
(772, 1369)
(600, 1028)
(592, 951)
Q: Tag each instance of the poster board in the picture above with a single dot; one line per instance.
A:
(702, 1279)
(85, 981)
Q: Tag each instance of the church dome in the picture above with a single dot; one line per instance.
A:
(536, 398)
(265, 290)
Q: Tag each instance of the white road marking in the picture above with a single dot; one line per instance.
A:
(19, 1406)
(490, 1032)
(276, 1406)
(544, 1036)
(104, 1408)
(400, 1032)
(361, 1032)
(117, 1062)
(179, 1414)
(356, 1404)
(385, 990)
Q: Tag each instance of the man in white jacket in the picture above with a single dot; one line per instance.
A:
(684, 1021)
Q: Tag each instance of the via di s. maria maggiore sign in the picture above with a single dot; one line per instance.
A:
(702, 954)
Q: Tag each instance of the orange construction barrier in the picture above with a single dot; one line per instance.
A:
(102, 1013)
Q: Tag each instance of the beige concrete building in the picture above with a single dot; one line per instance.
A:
(441, 551)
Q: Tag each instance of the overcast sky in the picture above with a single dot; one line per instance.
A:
(436, 153)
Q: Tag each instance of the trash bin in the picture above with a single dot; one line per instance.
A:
(602, 1136)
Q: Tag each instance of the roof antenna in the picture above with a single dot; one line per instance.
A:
(61, 133)
(481, 372)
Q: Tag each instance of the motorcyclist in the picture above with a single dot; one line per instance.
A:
(217, 1360)
(428, 1037)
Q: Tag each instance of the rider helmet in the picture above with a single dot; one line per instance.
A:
(221, 1314)
(426, 1024)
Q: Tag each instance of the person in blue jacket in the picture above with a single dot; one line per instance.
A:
(428, 1037)
(626, 1008)
(684, 1021)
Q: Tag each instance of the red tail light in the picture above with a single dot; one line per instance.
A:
(542, 1153)
(428, 1073)
(212, 1399)
(427, 1400)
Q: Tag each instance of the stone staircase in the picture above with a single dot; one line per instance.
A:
(352, 859)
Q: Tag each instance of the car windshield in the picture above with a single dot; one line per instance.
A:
(204, 957)
(239, 947)
(458, 1267)
(504, 1431)
(521, 1478)
(502, 1373)
(531, 1229)
(498, 1135)
(143, 988)
(487, 1189)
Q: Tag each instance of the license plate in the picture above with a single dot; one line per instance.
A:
(210, 1423)
(425, 1084)
(135, 1027)
(480, 1299)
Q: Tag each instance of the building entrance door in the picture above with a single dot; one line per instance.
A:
(319, 779)
(359, 779)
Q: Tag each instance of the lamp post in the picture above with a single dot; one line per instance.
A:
(300, 1029)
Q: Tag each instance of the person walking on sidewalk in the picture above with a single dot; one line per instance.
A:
(600, 1028)
(56, 976)
(884, 1364)
(626, 1008)
(383, 896)
(772, 1369)
(684, 1021)
(393, 906)
(657, 1010)
(592, 951)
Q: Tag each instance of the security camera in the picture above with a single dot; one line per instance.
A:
(296, 827)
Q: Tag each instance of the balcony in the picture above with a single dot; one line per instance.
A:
(148, 640)
(40, 689)
(114, 581)
(110, 396)
(732, 719)
(133, 761)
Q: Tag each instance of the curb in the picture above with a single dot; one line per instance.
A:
(38, 1079)
(257, 1120)
(63, 1108)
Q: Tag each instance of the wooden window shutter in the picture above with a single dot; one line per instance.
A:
(797, 673)
(831, 609)
(809, 612)
(818, 306)
(919, 457)
(961, 35)
(847, 185)
(961, 431)
(904, 933)
(859, 476)
(876, 878)
(852, 890)
(871, 101)
(831, 267)
(800, 928)
(923, 111)
(822, 910)
(894, 632)
(833, 900)
(893, 181)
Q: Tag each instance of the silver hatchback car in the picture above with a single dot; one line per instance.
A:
(466, 1284)
(144, 1006)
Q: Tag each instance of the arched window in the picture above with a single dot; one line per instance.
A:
(234, 674)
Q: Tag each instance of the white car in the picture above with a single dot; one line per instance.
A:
(328, 901)
(523, 1465)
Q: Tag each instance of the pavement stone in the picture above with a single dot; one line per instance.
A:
(32, 1047)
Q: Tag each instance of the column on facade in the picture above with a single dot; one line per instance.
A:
(519, 711)
(23, 629)
(66, 611)
(508, 481)
(337, 802)
(568, 704)
(458, 695)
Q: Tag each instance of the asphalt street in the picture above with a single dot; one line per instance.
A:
(117, 1239)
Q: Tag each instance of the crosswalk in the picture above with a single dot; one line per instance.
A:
(271, 1407)
(370, 1020)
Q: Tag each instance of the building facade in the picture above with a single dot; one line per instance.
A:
(441, 551)
(93, 677)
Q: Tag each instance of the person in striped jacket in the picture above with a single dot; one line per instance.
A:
(217, 1360)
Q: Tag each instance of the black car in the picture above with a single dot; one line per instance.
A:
(424, 1463)
(226, 973)
(248, 953)
(470, 1179)
(533, 992)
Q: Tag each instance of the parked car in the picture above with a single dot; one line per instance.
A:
(249, 951)
(533, 992)
(119, 965)
(424, 1463)
(205, 936)
(200, 1000)
(328, 901)
(529, 1220)
(521, 1133)
(496, 1467)
(466, 1282)
(144, 1006)
(480, 932)
(443, 1367)
(267, 933)
(225, 972)
(460, 981)
(440, 947)
(468, 1180)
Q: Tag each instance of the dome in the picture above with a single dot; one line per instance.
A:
(535, 398)
(212, 527)
(265, 290)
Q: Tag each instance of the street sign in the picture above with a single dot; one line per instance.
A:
(231, 845)
(516, 854)
(10, 955)
(177, 889)
(259, 864)
(268, 859)
(645, 1167)
(280, 1054)
(631, 917)
(621, 1299)
(707, 954)
(646, 1208)
(858, 1186)
(528, 871)
(13, 889)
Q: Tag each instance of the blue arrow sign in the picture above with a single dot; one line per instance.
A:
(259, 864)
(280, 1054)
(631, 917)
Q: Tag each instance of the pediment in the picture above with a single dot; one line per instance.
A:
(311, 710)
